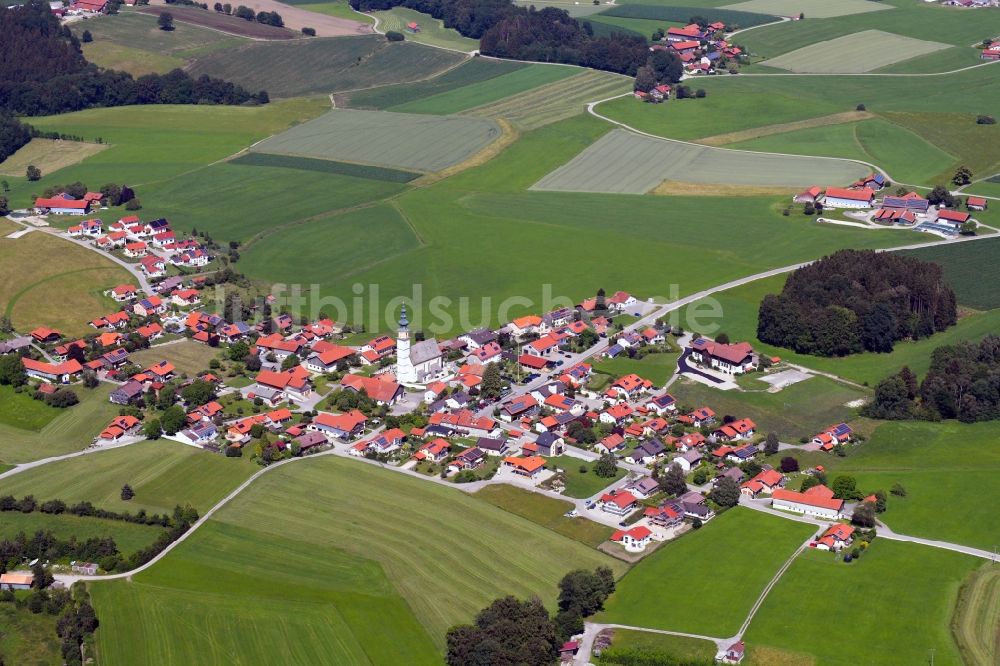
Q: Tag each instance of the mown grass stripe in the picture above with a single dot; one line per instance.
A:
(326, 166)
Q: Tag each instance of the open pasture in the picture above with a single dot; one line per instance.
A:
(976, 622)
(49, 155)
(431, 30)
(907, 590)
(666, 14)
(963, 265)
(575, 8)
(325, 166)
(698, 584)
(860, 52)
(813, 9)
(22, 411)
(321, 66)
(624, 162)
(129, 537)
(381, 138)
(546, 511)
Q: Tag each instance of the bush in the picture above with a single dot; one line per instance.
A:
(309, 32)
(986, 120)
(133, 204)
(861, 107)
(234, 451)
(394, 36)
(86, 37)
(62, 398)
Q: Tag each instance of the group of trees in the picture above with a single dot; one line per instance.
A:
(247, 14)
(857, 300)
(77, 619)
(13, 134)
(526, 33)
(962, 383)
(661, 67)
(43, 71)
(511, 631)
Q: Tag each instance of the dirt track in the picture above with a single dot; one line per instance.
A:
(295, 18)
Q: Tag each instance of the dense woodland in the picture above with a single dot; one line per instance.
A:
(524, 33)
(857, 300)
(963, 383)
(13, 135)
(43, 71)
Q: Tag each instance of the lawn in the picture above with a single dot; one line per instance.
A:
(545, 511)
(394, 140)
(49, 155)
(431, 32)
(488, 91)
(580, 483)
(22, 411)
(346, 543)
(189, 357)
(799, 410)
(657, 368)
(72, 429)
(129, 537)
(623, 162)
(28, 638)
(322, 66)
(49, 281)
(677, 647)
(162, 473)
(908, 591)
(707, 581)
(962, 265)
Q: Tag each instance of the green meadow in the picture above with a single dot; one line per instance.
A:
(546, 511)
(657, 368)
(707, 581)
(431, 31)
(129, 537)
(963, 265)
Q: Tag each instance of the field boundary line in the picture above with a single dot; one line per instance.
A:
(842, 118)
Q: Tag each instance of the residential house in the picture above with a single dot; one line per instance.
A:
(530, 363)
(689, 460)
(293, 383)
(150, 332)
(689, 441)
(662, 404)
(435, 450)
(699, 417)
(519, 407)
(135, 249)
(119, 427)
(153, 266)
(383, 390)
(839, 433)
(329, 358)
(666, 516)
(742, 454)
(466, 422)
(530, 467)
(643, 487)
(731, 359)
(613, 443)
(736, 430)
(493, 446)
(339, 426)
(44, 335)
(487, 353)
(838, 536)
(616, 414)
(471, 458)
(550, 444)
(766, 482)
(386, 442)
(646, 453)
(525, 326)
(634, 539)
(123, 293)
(477, 338)
(129, 392)
(18, 344)
(199, 434)
(185, 297)
(628, 387)
(618, 502)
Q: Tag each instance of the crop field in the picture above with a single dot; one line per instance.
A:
(554, 102)
(678, 588)
(224, 23)
(545, 511)
(321, 66)
(473, 70)
(301, 254)
(49, 155)
(325, 166)
(682, 15)
(215, 199)
(624, 162)
(813, 9)
(381, 138)
(799, 410)
(909, 590)
(906, 156)
(963, 269)
(432, 30)
(427, 558)
(129, 537)
(976, 622)
(489, 91)
(70, 430)
(162, 473)
(861, 52)
(41, 283)
(188, 356)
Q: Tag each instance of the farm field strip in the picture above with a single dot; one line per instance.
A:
(963, 270)
(325, 166)
(229, 25)
(382, 138)
(813, 9)
(624, 162)
(49, 155)
(682, 15)
(784, 128)
(858, 53)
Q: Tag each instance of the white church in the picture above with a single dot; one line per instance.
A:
(416, 365)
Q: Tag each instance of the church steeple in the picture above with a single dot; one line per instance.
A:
(404, 323)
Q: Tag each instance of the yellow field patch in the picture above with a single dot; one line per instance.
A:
(781, 128)
(188, 356)
(136, 62)
(680, 189)
(49, 155)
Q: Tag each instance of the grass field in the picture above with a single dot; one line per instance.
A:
(321, 66)
(346, 543)
(799, 410)
(657, 368)
(545, 511)
(28, 638)
(395, 140)
(325, 166)
(853, 54)
(162, 473)
(679, 588)
(554, 102)
(230, 25)
(682, 15)
(962, 265)
(976, 621)
(432, 30)
(575, 8)
(22, 411)
(905, 155)
(973, 145)
(129, 537)
(473, 70)
(48, 155)
(72, 429)
(42, 283)
(607, 25)
(811, 8)
(190, 357)
(579, 483)
(908, 590)
(338, 8)
(629, 163)
(677, 647)
(488, 91)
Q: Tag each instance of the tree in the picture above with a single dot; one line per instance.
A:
(127, 492)
(173, 419)
(909, 381)
(726, 492)
(600, 302)
(645, 79)
(5, 186)
(700, 93)
(133, 204)
(12, 371)
(606, 466)
(861, 107)
(789, 464)
(508, 631)
(290, 361)
(673, 481)
(898, 490)
(845, 487)
(881, 501)
(722, 338)
(879, 329)
(217, 7)
(492, 383)
(309, 32)
(238, 351)
(864, 515)
(584, 592)
(968, 228)
(152, 429)
(963, 176)
(890, 401)
(940, 195)
(62, 398)
(111, 193)
(771, 444)
(165, 21)
(86, 37)
(33, 173)
(394, 36)
(667, 66)
(198, 392)
(986, 120)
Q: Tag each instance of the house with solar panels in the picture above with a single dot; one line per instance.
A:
(836, 434)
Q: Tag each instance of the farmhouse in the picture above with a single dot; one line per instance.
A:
(909, 201)
(837, 537)
(328, 359)
(61, 206)
(837, 197)
(976, 203)
(55, 373)
(293, 383)
(895, 216)
(953, 217)
(808, 196)
(728, 358)
(765, 482)
(817, 501)
(16, 580)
